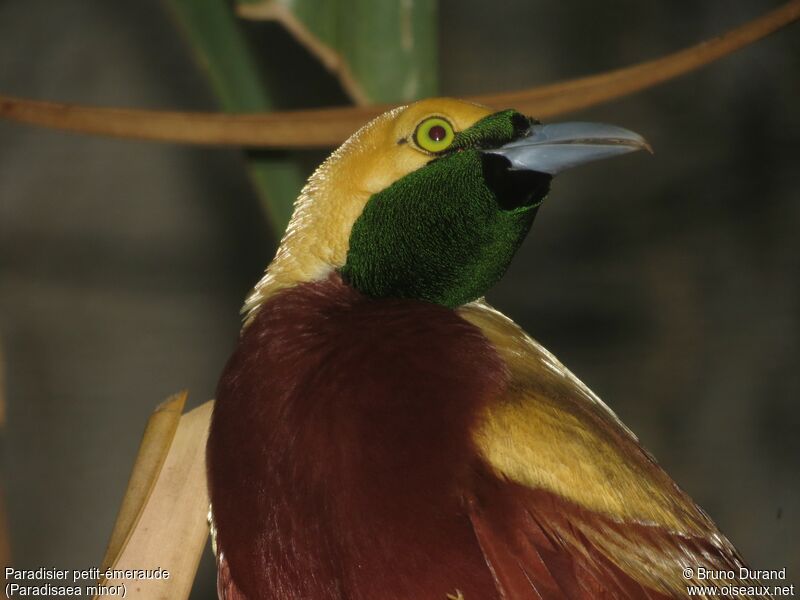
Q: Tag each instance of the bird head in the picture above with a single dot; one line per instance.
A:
(431, 201)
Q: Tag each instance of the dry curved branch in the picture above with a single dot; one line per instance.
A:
(329, 127)
(290, 129)
(576, 94)
(164, 528)
(156, 442)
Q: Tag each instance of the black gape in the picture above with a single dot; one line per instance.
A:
(513, 188)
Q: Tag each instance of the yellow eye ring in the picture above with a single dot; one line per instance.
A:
(434, 134)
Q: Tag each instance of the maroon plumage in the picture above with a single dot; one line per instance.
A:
(341, 465)
(340, 449)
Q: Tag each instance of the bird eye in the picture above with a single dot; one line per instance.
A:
(434, 134)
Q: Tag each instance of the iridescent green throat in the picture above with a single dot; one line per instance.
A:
(447, 232)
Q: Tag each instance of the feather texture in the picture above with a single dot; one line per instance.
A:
(580, 489)
(340, 449)
(351, 457)
(226, 587)
(366, 448)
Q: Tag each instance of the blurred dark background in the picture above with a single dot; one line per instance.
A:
(669, 283)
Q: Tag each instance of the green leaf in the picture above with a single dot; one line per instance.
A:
(222, 52)
(381, 51)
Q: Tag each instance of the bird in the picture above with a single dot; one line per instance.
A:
(381, 432)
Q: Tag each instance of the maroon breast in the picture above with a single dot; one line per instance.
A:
(340, 449)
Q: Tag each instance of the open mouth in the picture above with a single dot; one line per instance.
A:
(513, 188)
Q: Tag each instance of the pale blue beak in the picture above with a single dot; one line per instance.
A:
(557, 147)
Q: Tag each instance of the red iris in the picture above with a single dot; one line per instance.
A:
(437, 133)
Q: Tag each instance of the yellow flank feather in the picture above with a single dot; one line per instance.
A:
(380, 153)
(552, 432)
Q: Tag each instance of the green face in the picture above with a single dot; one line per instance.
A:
(447, 232)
